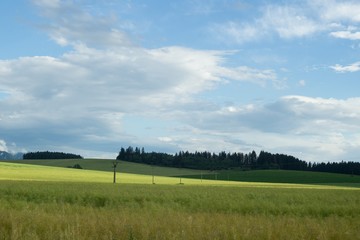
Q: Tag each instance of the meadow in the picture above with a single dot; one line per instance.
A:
(40, 202)
(282, 176)
(106, 165)
(270, 176)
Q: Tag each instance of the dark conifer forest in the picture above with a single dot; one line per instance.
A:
(244, 161)
(50, 155)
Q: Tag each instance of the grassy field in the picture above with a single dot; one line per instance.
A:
(106, 165)
(28, 172)
(70, 210)
(282, 176)
(271, 176)
(41, 202)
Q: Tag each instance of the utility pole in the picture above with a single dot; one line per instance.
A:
(115, 163)
(153, 180)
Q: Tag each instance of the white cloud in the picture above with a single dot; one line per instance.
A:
(89, 82)
(244, 73)
(344, 16)
(346, 35)
(3, 146)
(302, 83)
(69, 24)
(355, 67)
(201, 7)
(165, 139)
(333, 10)
(82, 96)
(47, 3)
(234, 32)
(294, 20)
(314, 127)
(288, 21)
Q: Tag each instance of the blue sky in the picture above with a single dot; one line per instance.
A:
(89, 76)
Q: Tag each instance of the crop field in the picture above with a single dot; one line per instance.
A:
(40, 202)
(14, 171)
(106, 165)
(270, 176)
(283, 176)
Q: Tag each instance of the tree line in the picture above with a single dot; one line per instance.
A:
(50, 155)
(237, 160)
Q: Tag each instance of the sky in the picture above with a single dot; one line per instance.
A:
(92, 76)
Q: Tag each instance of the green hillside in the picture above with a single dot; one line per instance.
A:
(47, 202)
(28, 172)
(106, 165)
(269, 176)
(282, 176)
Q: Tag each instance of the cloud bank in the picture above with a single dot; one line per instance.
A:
(106, 91)
(83, 95)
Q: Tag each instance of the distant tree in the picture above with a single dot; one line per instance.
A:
(77, 166)
(122, 154)
(222, 160)
(50, 155)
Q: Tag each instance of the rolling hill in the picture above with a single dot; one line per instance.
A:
(107, 165)
(29, 172)
(267, 176)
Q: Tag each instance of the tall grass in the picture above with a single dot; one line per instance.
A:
(59, 210)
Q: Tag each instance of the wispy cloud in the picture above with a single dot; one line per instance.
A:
(67, 24)
(355, 67)
(334, 10)
(288, 21)
(284, 21)
(233, 32)
(302, 83)
(346, 35)
(344, 15)
(293, 20)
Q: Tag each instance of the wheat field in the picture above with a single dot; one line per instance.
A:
(58, 203)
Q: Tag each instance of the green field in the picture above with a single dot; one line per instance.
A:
(106, 165)
(68, 210)
(28, 172)
(283, 176)
(270, 176)
(42, 202)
